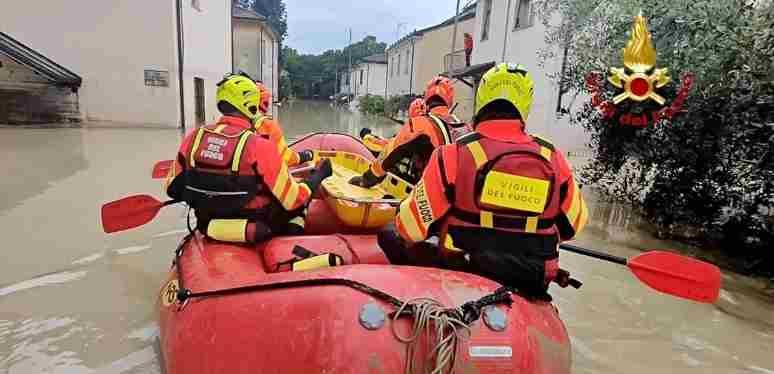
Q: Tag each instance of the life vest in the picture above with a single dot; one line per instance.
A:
(374, 143)
(450, 127)
(508, 187)
(213, 185)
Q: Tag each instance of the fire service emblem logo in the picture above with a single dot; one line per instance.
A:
(637, 100)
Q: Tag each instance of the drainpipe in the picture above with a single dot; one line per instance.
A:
(231, 17)
(260, 56)
(454, 37)
(386, 80)
(180, 50)
(411, 73)
(507, 25)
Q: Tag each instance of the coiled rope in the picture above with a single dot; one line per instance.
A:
(446, 324)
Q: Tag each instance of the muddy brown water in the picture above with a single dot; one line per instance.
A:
(74, 300)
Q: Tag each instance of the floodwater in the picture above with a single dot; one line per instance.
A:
(74, 300)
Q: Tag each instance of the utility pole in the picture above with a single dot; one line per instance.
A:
(397, 29)
(349, 69)
(454, 39)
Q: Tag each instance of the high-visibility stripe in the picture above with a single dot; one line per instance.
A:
(286, 154)
(282, 179)
(195, 146)
(219, 128)
(170, 175)
(582, 217)
(574, 209)
(531, 226)
(449, 244)
(258, 122)
(291, 196)
(442, 128)
(479, 156)
(546, 153)
(410, 225)
(487, 219)
(239, 150)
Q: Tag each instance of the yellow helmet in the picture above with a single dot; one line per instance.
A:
(508, 82)
(241, 92)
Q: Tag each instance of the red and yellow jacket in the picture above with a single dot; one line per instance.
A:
(429, 128)
(254, 154)
(270, 129)
(429, 203)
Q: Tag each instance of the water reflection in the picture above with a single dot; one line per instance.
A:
(300, 117)
(34, 159)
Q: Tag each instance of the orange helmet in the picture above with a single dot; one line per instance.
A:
(417, 108)
(265, 98)
(441, 87)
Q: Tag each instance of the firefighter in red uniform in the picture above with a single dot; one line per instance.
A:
(468, 48)
(375, 143)
(235, 180)
(268, 127)
(418, 137)
(499, 199)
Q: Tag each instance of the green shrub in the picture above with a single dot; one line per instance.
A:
(371, 104)
(712, 166)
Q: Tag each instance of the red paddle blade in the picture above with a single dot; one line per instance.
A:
(161, 169)
(678, 275)
(129, 212)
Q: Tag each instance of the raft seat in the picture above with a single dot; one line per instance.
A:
(278, 254)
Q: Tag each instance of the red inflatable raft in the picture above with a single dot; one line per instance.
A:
(233, 309)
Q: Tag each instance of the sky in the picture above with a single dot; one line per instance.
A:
(318, 25)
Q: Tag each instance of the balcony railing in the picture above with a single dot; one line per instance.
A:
(454, 61)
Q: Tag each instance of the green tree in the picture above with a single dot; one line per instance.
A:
(275, 12)
(317, 74)
(712, 166)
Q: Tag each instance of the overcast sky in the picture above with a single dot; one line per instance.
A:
(317, 25)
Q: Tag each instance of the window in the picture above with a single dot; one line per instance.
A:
(398, 68)
(487, 17)
(524, 15)
(406, 69)
(361, 77)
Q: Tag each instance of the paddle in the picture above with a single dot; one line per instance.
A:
(130, 212)
(667, 272)
(161, 169)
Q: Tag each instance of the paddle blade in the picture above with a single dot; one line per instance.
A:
(678, 275)
(129, 212)
(161, 169)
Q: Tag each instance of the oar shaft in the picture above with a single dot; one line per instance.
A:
(595, 254)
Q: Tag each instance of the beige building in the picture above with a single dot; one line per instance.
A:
(508, 31)
(256, 48)
(369, 76)
(141, 62)
(418, 57)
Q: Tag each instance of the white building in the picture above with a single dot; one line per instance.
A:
(141, 62)
(507, 31)
(256, 48)
(423, 54)
(369, 76)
